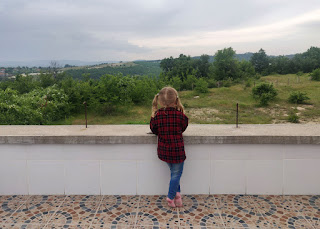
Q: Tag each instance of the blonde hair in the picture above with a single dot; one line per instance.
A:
(167, 97)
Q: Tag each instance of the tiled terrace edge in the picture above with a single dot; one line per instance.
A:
(138, 134)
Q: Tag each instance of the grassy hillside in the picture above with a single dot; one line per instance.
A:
(219, 105)
(151, 68)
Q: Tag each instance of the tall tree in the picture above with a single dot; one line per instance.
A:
(260, 62)
(225, 65)
(204, 65)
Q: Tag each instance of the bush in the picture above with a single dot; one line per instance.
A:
(315, 75)
(227, 83)
(265, 93)
(40, 106)
(293, 117)
(298, 97)
(201, 86)
(247, 84)
(190, 82)
(176, 83)
(212, 83)
(143, 92)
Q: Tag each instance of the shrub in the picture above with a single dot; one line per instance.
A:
(40, 106)
(212, 83)
(298, 97)
(190, 82)
(247, 84)
(227, 83)
(293, 117)
(176, 83)
(315, 75)
(140, 92)
(265, 93)
(201, 86)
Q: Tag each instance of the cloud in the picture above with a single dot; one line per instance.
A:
(142, 29)
(267, 32)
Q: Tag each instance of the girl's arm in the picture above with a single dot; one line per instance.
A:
(184, 122)
(154, 126)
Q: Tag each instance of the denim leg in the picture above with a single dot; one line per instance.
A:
(176, 172)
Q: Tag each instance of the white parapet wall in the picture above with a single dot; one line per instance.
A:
(261, 159)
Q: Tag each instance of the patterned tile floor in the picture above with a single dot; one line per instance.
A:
(199, 211)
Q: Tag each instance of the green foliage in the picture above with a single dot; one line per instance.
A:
(190, 82)
(246, 69)
(298, 97)
(293, 117)
(143, 90)
(225, 65)
(32, 108)
(315, 75)
(264, 93)
(260, 62)
(176, 83)
(203, 66)
(46, 80)
(201, 86)
(178, 67)
(105, 96)
(300, 73)
(24, 84)
(212, 83)
(247, 84)
(226, 83)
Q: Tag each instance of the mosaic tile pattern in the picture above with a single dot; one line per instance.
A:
(152, 212)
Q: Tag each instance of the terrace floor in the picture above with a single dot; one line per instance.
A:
(199, 211)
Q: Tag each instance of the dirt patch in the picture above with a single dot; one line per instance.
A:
(205, 114)
(274, 112)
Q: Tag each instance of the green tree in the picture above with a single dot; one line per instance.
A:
(46, 80)
(201, 86)
(280, 65)
(203, 66)
(315, 75)
(24, 84)
(260, 62)
(246, 69)
(190, 82)
(225, 65)
(176, 83)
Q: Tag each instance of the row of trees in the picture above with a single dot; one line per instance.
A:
(303, 62)
(226, 67)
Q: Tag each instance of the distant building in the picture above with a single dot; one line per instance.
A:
(2, 72)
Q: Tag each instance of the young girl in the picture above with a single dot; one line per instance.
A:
(169, 122)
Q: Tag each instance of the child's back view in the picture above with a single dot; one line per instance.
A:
(169, 122)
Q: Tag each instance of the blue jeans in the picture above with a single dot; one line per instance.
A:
(176, 172)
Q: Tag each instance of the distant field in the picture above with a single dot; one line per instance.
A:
(150, 68)
(124, 64)
(219, 105)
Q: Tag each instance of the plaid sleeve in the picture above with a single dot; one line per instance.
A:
(154, 126)
(184, 122)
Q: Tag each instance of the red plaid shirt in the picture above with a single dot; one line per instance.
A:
(169, 124)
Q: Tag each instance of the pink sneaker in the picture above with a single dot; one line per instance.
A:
(171, 203)
(178, 200)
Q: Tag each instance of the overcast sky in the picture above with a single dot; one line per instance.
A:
(100, 30)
